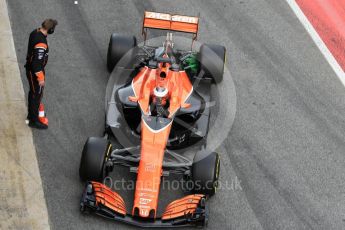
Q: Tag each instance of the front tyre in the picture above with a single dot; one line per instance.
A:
(95, 153)
(205, 172)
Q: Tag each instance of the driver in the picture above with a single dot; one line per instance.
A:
(160, 103)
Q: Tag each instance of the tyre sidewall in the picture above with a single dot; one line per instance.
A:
(94, 155)
(212, 59)
(205, 172)
(119, 45)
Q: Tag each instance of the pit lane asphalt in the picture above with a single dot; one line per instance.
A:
(286, 146)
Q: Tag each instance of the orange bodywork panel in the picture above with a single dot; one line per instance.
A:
(164, 21)
(153, 141)
(150, 169)
(181, 207)
(177, 83)
(181, 89)
(108, 198)
(143, 85)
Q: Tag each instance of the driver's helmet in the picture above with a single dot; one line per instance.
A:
(161, 87)
(160, 92)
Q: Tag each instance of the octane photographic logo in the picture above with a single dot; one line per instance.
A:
(222, 103)
(231, 184)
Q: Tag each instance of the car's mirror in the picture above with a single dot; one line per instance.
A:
(133, 99)
(186, 105)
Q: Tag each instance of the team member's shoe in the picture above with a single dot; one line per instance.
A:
(27, 120)
(37, 125)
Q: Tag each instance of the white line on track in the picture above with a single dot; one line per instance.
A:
(318, 41)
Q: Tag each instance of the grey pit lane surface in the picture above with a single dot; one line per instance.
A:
(286, 147)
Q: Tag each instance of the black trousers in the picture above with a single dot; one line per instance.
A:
(34, 97)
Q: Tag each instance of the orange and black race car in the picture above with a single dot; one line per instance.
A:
(157, 107)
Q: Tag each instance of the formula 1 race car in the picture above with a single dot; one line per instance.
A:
(157, 105)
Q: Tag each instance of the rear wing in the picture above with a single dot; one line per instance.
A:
(163, 21)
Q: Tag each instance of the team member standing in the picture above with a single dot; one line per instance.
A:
(36, 60)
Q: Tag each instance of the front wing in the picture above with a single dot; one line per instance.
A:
(101, 200)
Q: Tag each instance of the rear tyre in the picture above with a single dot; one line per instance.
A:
(119, 45)
(95, 152)
(205, 172)
(212, 59)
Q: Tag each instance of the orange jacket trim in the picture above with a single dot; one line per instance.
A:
(41, 46)
(40, 76)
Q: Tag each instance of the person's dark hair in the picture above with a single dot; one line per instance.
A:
(49, 24)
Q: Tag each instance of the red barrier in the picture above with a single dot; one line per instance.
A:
(328, 19)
